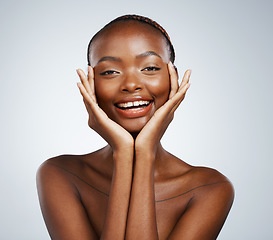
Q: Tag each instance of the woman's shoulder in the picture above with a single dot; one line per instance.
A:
(206, 175)
(195, 182)
(60, 164)
(66, 165)
(195, 176)
(72, 162)
(204, 181)
(57, 171)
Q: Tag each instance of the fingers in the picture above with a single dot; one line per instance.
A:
(87, 82)
(84, 93)
(84, 81)
(173, 80)
(89, 103)
(178, 97)
(91, 82)
(185, 79)
(182, 94)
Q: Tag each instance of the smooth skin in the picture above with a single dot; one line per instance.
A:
(132, 188)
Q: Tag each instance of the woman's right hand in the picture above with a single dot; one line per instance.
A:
(116, 136)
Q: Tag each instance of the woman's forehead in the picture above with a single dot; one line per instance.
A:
(135, 37)
(129, 26)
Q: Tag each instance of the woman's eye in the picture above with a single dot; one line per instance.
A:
(151, 68)
(108, 72)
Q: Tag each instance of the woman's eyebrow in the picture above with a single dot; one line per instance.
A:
(148, 53)
(109, 58)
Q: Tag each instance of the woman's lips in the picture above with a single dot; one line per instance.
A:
(134, 108)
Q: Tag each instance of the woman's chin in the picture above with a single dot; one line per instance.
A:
(134, 127)
(133, 130)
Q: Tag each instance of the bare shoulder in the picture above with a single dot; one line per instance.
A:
(206, 181)
(71, 172)
(60, 173)
(73, 164)
(193, 177)
(210, 197)
(60, 197)
(199, 182)
(55, 173)
(206, 197)
(206, 175)
(185, 181)
(67, 162)
(57, 167)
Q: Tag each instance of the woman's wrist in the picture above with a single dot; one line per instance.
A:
(123, 146)
(124, 154)
(147, 151)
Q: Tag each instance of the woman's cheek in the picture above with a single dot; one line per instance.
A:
(103, 92)
(161, 88)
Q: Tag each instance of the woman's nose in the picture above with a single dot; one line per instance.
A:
(131, 83)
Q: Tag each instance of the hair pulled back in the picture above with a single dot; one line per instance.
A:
(139, 19)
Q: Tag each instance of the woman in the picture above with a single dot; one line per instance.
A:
(132, 188)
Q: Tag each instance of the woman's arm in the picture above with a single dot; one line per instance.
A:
(142, 217)
(122, 145)
(117, 210)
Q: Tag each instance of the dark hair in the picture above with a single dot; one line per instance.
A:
(140, 19)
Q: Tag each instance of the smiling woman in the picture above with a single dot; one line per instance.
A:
(132, 188)
(130, 65)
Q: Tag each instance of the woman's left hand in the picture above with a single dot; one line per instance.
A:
(150, 135)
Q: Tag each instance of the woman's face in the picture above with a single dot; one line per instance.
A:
(131, 75)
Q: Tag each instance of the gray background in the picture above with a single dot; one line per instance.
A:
(224, 122)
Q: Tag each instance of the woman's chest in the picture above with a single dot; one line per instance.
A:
(169, 205)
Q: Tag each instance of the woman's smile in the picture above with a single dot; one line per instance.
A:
(134, 107)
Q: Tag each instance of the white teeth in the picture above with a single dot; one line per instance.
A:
(131, 104)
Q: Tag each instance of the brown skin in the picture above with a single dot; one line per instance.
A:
(132, 188)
